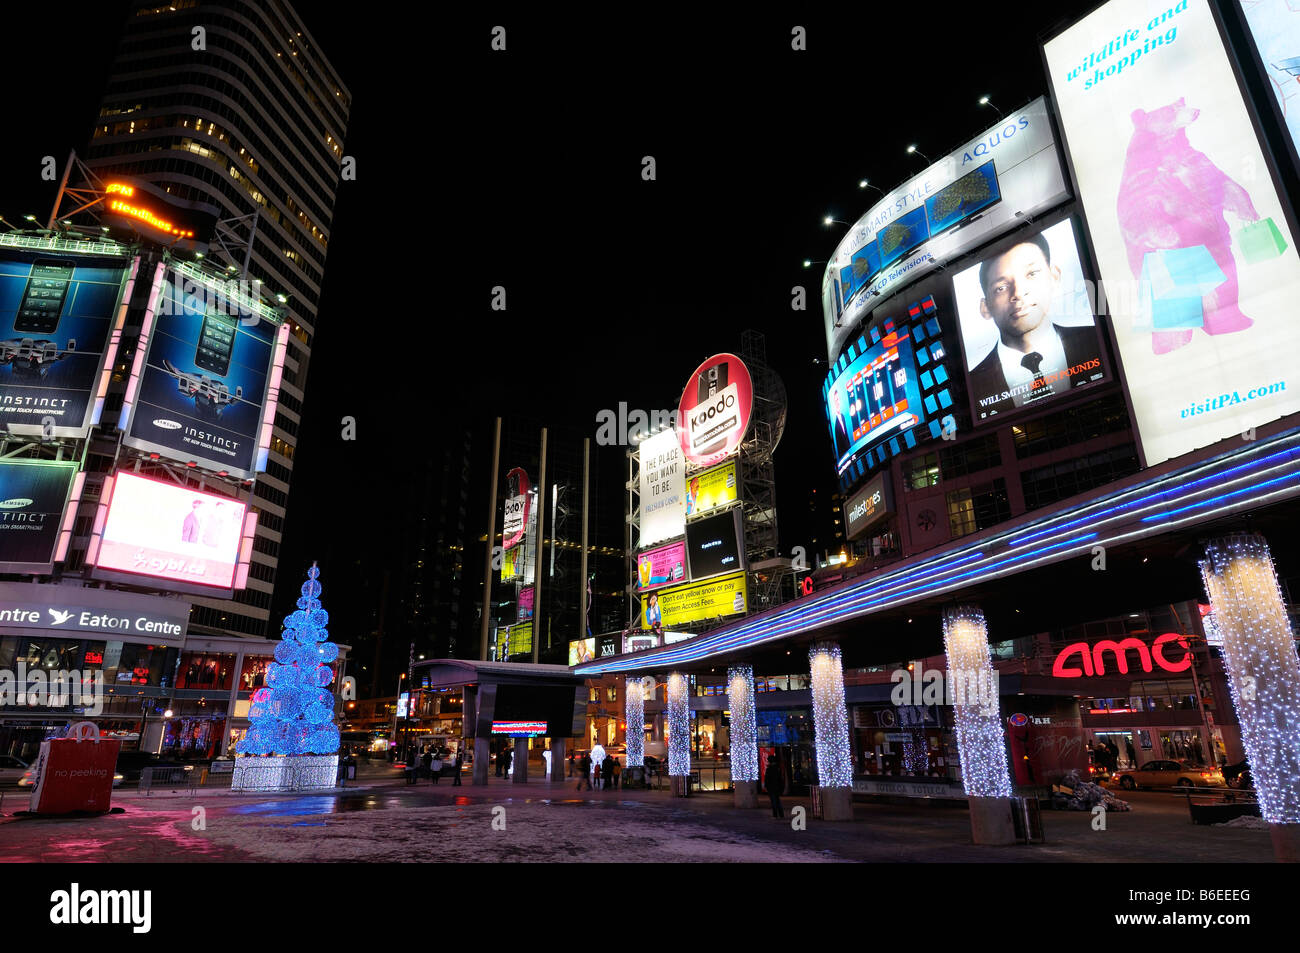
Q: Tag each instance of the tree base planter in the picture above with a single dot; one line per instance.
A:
(746, 794)
(303, 772)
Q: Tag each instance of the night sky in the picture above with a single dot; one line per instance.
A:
(523, 169)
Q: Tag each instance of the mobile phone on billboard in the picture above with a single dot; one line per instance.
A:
(216, 342)
(42, 301)
(710, 382)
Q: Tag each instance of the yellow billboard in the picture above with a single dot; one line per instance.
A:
(695, 601)
(712, 488)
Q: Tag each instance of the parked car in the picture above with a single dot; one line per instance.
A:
(1168, 774)
(12, 769)
(1238, 775)
(131, 763)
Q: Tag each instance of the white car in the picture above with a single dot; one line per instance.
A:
(12, 769)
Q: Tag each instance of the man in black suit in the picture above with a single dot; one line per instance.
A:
(839, 430)
(1034, 358)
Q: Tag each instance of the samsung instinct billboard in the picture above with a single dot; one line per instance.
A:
(58, 313)
(983, 188)
(203, 391)
(1198, 262)
(33, 495)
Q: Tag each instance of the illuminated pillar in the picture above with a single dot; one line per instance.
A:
(831, 726)
(744, 737)
(634, 716)
(985, 773)
(1263, 674)
(679, 732)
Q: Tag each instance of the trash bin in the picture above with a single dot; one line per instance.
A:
(352, 772)
(1027, 816)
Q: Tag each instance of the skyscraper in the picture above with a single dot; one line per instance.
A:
(231, 104)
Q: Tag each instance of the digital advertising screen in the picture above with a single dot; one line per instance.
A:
(661, 566)
(166, 531)
(57, 316)
(663, 488)
(876, 396)
(33, 496)
(714, 410)
(695, 602)
(714, 545)
(1008, 174)
(1198, 263)
(582, 650)
(1027, 326)
(552, 704)
(710, 489)
(205, 380)
(1274, 28)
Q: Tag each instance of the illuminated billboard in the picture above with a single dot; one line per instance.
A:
(715, 545)
(868, 506)
(709, 489)
(989, 185)
(875, 397)
(663, 488)
(33, 497)
(661, 566)
(714, 410)
(1274, 28)
(166, 531)
(582, 650)
(1198, 262)
(207, 376)
(61, 319)
(517, 507)
(695, 602)
(1027, 326)
(159, 215)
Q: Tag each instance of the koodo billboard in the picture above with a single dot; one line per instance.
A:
(715, 409)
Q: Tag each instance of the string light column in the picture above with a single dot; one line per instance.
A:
(679, 733)
(634, 715)
(831, 729)
(981, 741)
(1263, 676)
(743, 735)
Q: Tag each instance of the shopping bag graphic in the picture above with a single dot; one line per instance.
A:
(1173, 282)
(1260, 241)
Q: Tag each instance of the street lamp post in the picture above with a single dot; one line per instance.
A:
(914, 149)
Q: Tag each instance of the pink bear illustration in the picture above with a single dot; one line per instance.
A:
(1173, 196)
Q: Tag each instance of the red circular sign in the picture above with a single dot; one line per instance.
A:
(1018, 720)
(715, 409)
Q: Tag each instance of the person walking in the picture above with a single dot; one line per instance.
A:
(460, 759)
(435, 767)
(607, 773)
(410, 765)
(505, 764)
(426, 759)
(775, 784)
(572, 758)
(616, 771)
(584, 771)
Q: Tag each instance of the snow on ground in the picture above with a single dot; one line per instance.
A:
(464, 834)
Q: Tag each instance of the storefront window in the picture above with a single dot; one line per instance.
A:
(135, 664)
(252, 675)
(206, 670)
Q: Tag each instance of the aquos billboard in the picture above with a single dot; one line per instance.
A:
(206, 380)
(61, 318)
(983, 188)
(1198, 263)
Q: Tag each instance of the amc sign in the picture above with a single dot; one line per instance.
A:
(1093, 661)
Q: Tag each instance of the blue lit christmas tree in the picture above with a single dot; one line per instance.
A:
(294, 713)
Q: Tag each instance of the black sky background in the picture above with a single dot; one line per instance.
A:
(523, 169)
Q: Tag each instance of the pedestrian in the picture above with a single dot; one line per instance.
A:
(426, 759)
(584, 771)
(435, 767)
(508, 755)
(775, 784)
(572, 758)
(460, 759)
(410, 765)
(607, 773)
(1132, 755)
(616, 771)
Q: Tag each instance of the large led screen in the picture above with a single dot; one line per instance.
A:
(160, 529)
(877, 396)
(33, 495)
(57, 314)
(1199, 265)
(205, 380)
(1027, 326)
(714, 545)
